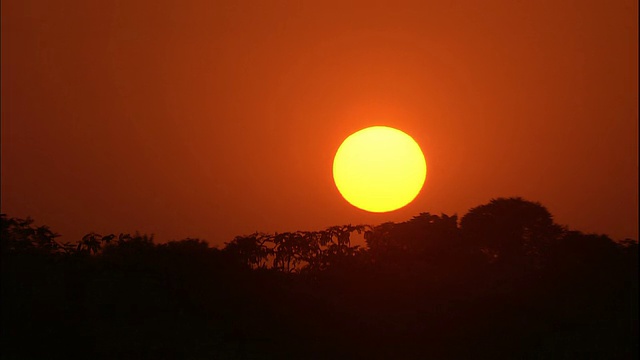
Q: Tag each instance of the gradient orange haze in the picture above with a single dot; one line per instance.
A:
(216, 118)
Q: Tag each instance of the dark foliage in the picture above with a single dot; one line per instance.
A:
(504, 282)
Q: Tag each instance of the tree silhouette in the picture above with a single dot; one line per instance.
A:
(424, 236)
(295, 251)
(20, 235)
(507, 282)
(250, 250)
(510, 229)
(287, 251)
(91, 242)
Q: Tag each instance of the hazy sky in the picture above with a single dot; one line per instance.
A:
(213, 119)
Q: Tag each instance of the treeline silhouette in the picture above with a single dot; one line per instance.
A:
(503, 282)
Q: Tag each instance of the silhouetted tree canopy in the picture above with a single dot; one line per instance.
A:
(504, 282)
(510, 229)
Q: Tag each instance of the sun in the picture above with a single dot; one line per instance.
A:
(379, 169)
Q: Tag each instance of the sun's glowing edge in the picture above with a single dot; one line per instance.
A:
(379, 169)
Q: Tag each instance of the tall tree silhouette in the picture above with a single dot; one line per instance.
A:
(510, 229)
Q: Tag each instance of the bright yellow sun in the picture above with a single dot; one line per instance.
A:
(379, 169)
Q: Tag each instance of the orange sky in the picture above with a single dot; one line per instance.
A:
(213, 119)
